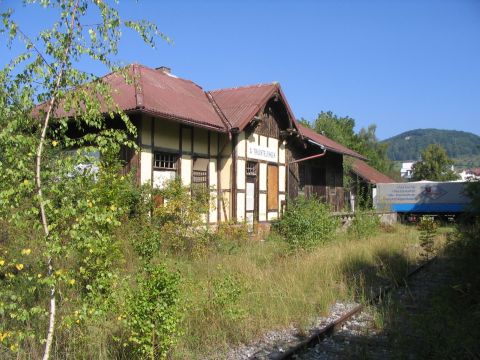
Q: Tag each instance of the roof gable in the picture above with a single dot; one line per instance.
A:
(241, 104)
(161, 94)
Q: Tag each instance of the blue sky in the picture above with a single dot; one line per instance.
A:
(399, 64)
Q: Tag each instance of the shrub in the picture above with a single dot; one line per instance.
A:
(225, 296)
(230, 237)
(428, 230)
(306, 223)
(153, 314)
(180, 219)
(364, 225)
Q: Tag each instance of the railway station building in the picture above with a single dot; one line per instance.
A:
(243, 144)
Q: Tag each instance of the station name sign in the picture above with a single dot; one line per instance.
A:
(261, 152)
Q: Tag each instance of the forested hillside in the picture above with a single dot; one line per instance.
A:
(458, 144)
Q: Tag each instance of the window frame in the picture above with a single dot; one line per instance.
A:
(171, 159)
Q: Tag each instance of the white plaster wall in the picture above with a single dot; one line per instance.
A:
(241, 146)
(146, 161)
(262, 173)
(200, 141)
(281, 178)
(213, 206)
(263, 140)
(212, 170)
(272, 215)
(240, 206)
(225, 206)
(166, 134)
(262, 208)
(225, 173)
(281, 153)
(162, 177)
(273, 144)
(212, 173)
(241, 174)
(186, 169)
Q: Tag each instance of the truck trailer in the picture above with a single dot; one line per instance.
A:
(421, 197)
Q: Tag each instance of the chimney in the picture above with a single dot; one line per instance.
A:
(164, 69)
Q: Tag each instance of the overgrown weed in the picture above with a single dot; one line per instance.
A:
(280, 289)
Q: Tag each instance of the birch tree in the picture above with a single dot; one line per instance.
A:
(39, 190)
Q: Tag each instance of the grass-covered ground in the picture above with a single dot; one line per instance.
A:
(444, 324)
(235, 296)
(161, 284)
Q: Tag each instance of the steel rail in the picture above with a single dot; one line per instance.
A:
(330, 329)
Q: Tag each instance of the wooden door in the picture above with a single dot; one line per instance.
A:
(272, 187)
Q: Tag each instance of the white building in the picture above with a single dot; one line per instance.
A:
(406, 172)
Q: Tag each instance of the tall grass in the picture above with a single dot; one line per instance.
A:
(273, 290)
(444, 324)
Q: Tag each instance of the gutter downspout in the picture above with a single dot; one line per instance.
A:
(221, 115)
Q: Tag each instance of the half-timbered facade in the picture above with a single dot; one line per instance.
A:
(243, 144)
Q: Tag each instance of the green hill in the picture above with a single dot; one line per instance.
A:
(463, 147)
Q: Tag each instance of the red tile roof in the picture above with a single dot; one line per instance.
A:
(158, 93)
(328, 143)
(164, 95)
(241, 104)
(370, 174)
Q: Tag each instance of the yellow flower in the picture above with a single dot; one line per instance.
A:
(113, 208)
(26, 251)
(19, 266)
(54, 143)
(119, 318)
(26, 182)
(78, 321)
(71, 281)
(39, 276)
(14, 347)
(2, 262)
(89, 204)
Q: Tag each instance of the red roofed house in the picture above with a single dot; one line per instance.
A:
(243, 143)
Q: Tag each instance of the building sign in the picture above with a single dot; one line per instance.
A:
(421, 197)
(259, 152)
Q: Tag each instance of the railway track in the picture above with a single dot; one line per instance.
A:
(336, 339)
